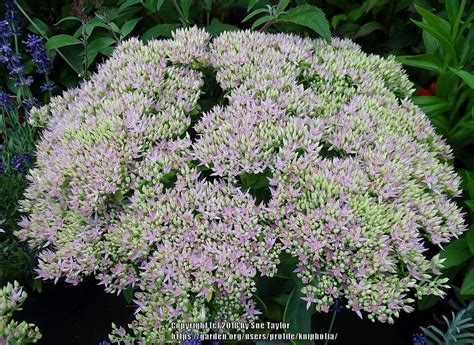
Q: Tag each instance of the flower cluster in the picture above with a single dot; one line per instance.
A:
(8, 56)
(134, 185)
(12, 297)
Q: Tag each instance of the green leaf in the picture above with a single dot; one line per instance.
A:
(297, 315)
(436, 27)
(311, 17)
(427, 302)
(185, 7)
(455, 253)
(118, 196)
(445, 85)
(467, 287)
(434, 22)
(73, 18)
(128, 294)
(128, 4)
(337, 19)
(128, 27)
(262, 20)
(158, 31)
(150, 5)
(470, 237)
(470, 204)
(159, 3)
(60, 41)
(431, 45)
(467, 52)
(463, 135)
(252, 4)
(254, 13)
(430, 62)
(282, 5)
(216, 27)
(467, 77)
(41, 25)
(368, 28)
(432, 104)
(452, 9)
(96, 46)
(468, 182)
(441, 123)
(356, 13)
(282, 299)
(95, 23)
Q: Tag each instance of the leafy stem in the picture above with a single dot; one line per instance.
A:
(46, 37)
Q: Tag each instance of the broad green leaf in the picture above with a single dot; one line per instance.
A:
(128, 27)
(73, 18)
(252, 4)
(262, 20)
(441, 123)
(150, 5)
(444, 41)
(96, 46)
(452, 9)
(128, 4)
(434, 22)
(445, 85)
(455, 253)
(467, 77)
(248, 180)
(467, 287)
(337, 19)
(427, 302)
(463, 135)
(431, 44)
(356, 13)
(118, 195)
(430, 62)
(467, 51)
(470, 204)
(114, 27)
(159, 3)
(297, 315)
(432, 104)
(158, 31)
(128, 294)
(311, 17)
(185, 7)
(368, 28)
(95, 23)
(254, 13)
(282, 5)
(216, 27)
(470, 234)
(60, 41)
(41, 25)
(468, 182)
(282, 299)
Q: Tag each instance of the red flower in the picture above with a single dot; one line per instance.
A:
(424, 92)
(430, 92)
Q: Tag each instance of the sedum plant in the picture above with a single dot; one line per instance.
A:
(306, 149)
(12, 297)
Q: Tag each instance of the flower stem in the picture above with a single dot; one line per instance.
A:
(331, 325)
